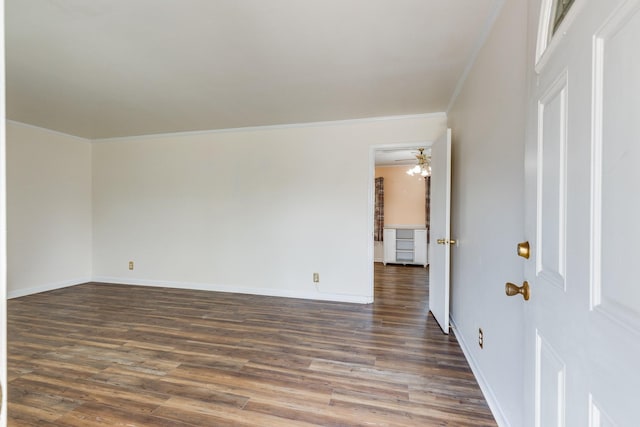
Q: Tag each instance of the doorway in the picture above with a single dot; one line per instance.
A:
(404, 206)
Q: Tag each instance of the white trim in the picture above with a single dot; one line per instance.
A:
(480, 41)
(437, 115)
(46, 287)
(284, 293)
(544, 22)
(597, 117)
(487, 391)
(27, 125)
(371, 207)
(544, 46)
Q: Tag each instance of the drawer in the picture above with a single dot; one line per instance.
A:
(406, 245)
(404, 233)
(404, 256)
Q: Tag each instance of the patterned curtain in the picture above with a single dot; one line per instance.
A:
(427, 205)
(379, 210)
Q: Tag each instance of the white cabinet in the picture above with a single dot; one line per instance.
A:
(405, 246)
(389, 244)
(420, 247)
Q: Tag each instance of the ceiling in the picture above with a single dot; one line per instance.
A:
(109, 68)
(399, 157)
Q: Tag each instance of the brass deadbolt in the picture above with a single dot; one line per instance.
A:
(524, 250)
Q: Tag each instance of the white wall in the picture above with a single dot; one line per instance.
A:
(488, 122)
(48, 209)
(255, 210)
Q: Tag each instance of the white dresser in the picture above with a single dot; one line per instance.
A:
(405, 246)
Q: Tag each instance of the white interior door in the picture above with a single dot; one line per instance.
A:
(583, 220)
(3, 234)
(440, 230)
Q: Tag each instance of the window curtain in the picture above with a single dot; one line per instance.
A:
(379, 210)
(427, 205)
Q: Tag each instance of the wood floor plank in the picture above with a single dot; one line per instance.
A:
(96, 415)
(204, 414)
(103, 354)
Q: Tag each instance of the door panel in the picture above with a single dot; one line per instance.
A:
(550, 397)
(615, 157)
(550, 260)
(597, 418)
(551, 206)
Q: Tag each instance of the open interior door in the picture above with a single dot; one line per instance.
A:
(440, 230)
(3, 237)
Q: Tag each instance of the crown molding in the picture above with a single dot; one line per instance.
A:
(438, 115)
(55, 132)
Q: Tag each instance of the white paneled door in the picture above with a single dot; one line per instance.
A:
(583, 219)
(3, 233)
(440, 226)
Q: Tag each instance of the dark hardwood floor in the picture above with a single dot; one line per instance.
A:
(104, 355)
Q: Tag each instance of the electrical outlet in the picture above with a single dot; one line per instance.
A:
(130, 265)
(316, 277)
(480, 338)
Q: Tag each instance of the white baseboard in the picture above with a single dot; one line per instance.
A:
(46, 287)
(487, 391)
(285, 293)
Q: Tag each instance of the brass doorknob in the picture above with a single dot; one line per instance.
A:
(446, 242)
(524, 250)
(512, 289)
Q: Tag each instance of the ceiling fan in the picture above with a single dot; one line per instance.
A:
(423, 168)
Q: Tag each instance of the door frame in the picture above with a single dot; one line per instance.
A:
(371, 200)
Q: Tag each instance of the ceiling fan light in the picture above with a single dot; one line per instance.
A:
(423, 168)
